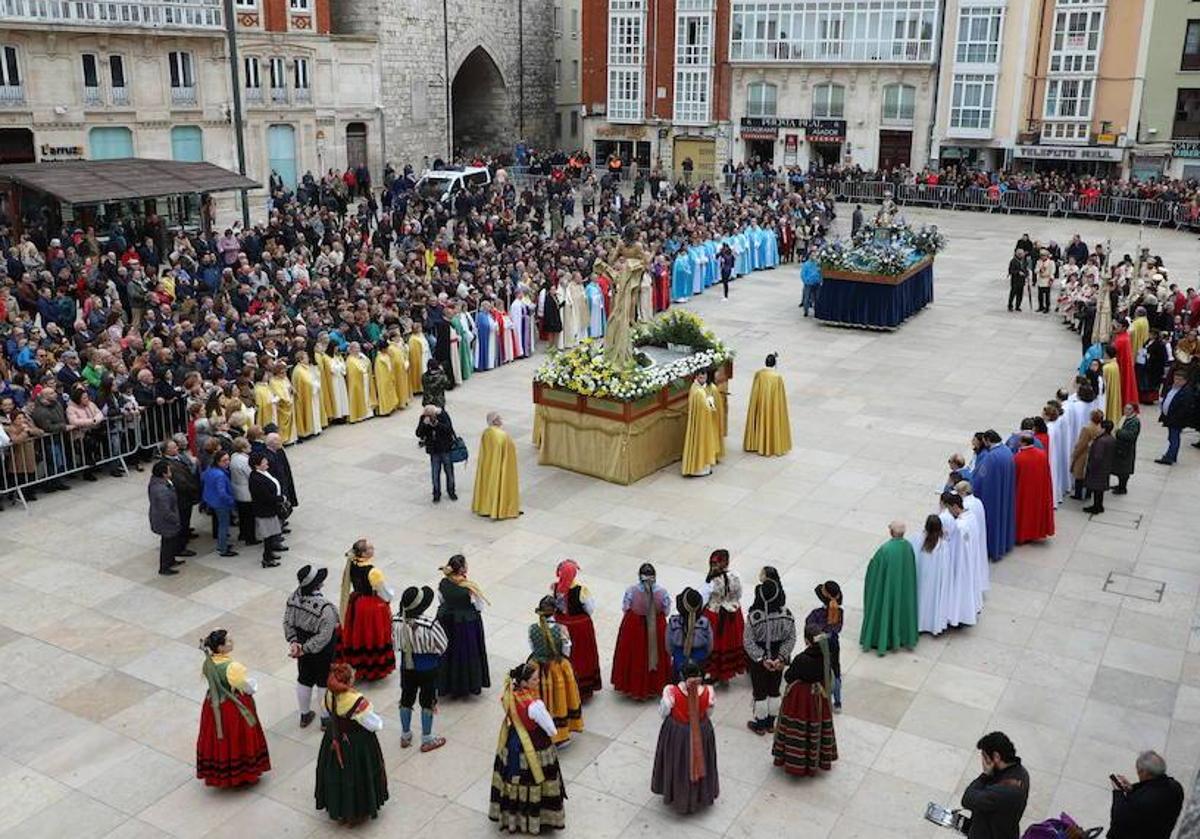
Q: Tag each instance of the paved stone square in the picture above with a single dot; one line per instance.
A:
(100, 673)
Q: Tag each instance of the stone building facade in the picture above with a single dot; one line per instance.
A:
(477, 77)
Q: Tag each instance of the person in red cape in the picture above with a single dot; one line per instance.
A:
(724, 613)
(231, 749)
(1035, 494)
(574, 606)
(1124, 347)
(641, 665)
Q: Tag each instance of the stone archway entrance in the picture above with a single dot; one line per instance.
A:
(480, 110)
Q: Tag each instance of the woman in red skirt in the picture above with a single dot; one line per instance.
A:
(641, 665)
(231, 750)
(574, 613)
(724, 613)
(366, 639)
(804, 737)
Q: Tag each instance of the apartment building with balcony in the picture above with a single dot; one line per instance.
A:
(1168, 136)
(1042, 84)
(96, 79)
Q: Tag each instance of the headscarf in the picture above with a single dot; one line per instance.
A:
(566, 572)
(647, 577)
(718, 565)
(218, 688)
(512, 721)
(460, 579)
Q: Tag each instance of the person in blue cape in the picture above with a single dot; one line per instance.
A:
(681, 276)
(995, 485)
(1094, 353)
(712, 269)
(699, 261)
(771, 237)
(595, 298)
(745, 259)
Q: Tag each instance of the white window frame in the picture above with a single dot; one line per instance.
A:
(181, 64)
(904, 107)
(1074, 49)
(694, 26)
(626, 60)
(277, 72)
(301, 6)
(300, 77)
(757, 99)
(558, 77)
(251, 72)
(10, 64)
(1079, 92)
(558, 15)
(83, 56)
(971, 49)
(823, 101)
(984, 108)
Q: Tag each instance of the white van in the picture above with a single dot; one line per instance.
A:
(444, 184)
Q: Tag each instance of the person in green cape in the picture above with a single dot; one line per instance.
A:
(890, 597)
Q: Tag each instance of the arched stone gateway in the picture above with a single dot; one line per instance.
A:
(482, 118)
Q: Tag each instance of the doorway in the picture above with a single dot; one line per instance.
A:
(895, 149)
(356, 144)
(479, 106)
(281, 153)
(16, 146)
(760, 151)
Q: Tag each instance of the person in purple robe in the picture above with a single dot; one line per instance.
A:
(995, 485)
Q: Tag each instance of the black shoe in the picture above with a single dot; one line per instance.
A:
(1119, 491)
(1093, 510)
(252, 541)
(281, 549)
(117, 473)
(175, 562)
(167, 572)
(453, 497)
(89, 477)
(227, 553)
(437, 499)
(307, 718)
(188, 552)
(270, 562)
(61, 486)
(1165, 462)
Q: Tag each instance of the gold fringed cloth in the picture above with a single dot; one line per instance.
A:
(621, 442)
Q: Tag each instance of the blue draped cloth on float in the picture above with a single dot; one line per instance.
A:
(994, 483)
(874, 305)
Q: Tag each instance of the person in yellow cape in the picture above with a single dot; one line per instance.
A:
(1111, 371)
(285, 407)
(718, 398)
(324, 365)
(398, 352)
(700, 438)
(306, 387)
(768, 428)
(497, 489)
(360, 388)
(418, 354)
(264, 401)
(385, 385)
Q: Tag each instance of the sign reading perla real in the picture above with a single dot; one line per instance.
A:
(816, 130)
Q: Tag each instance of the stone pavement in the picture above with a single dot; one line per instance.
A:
(100, 672)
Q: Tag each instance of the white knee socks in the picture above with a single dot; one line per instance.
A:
(772, 706)
(760, 709)
(304, 698)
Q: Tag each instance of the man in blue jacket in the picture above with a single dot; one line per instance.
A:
(810, 275)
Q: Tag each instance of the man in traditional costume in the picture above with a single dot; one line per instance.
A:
(310, 626)
(1034, 494)
(421, 642)
(497, 487)
(768, 427)
(702, 434)
(890, 595)
(769, 639)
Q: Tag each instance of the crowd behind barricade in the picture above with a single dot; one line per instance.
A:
(113, 340)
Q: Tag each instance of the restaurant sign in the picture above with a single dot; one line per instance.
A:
(1186, 148)
(815, 130)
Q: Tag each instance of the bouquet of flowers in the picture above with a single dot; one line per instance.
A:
(835, 255)
(927, 240)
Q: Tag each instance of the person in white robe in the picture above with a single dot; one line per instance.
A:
(1060, 456)
(575, 313)
(960, 600)
(974, 520)
(511, 336)
(455, 353)
(933, 576)
(521, 313)
(341, 394)
(595, 301)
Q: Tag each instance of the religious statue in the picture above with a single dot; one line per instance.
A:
(626, 263)
(886, 213)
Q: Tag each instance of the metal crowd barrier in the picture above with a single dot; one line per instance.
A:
(46, 458)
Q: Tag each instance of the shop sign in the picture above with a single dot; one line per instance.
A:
(772, 122)
(1085, 153)
(1186, 148)
(51, 154)
(791, 147)
(825, 130)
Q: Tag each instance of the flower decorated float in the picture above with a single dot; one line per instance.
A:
(624, 422)
(880, 278)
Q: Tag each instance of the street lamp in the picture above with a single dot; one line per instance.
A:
(239, 128)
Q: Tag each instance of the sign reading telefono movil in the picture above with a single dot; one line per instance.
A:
(1068, 153)
(815, 130)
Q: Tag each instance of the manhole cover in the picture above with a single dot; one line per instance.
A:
(1118, 518)
(1128, 585)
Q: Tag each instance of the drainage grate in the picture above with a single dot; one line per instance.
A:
(1118, 518)
(1128, 585)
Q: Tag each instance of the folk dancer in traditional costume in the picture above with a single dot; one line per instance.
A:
(724, 613)
(685, 760)
(527, 785)
(351, 776)
(366, 642)
(231, 749)
(770, 637)
(805, 742)
(465, 665)
(310, 625)
(421, 642)
(641, 666)
(768, 427)
(573, 611)
(689, 635)
(828, 619)
(550, 649)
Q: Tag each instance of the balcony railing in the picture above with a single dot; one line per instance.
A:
(183, 95)
(254, 96)
(302, 96)
(11, 95)
(148, 14)
(92, 97)
(279, 96)
(120, 96)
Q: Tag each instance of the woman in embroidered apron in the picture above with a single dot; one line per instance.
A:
(550, 646)
(527, 785)
(574, 614)
(465, 664)
(351, 777)
(641, 666)
(366, 638)
(685, 761)
(804, 737)
(231, 749)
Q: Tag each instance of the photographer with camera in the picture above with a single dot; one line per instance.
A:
(1149, 808)
(997, 798)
